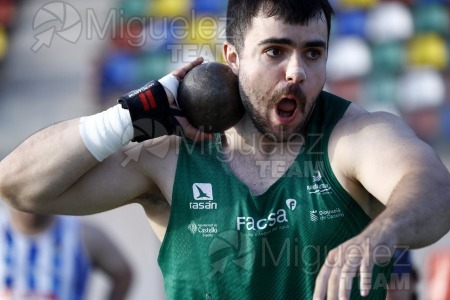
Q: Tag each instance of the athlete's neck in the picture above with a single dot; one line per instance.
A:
(246, 138)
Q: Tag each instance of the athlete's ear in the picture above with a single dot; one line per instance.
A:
(231, 56)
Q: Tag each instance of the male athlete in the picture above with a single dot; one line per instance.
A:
(306, 197)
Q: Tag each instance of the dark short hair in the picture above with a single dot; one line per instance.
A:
(241, 12)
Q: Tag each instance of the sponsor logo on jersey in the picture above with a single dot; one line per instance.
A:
(317, 176)
(319, 186)
(193, 227)
(253, 224)
(202, 191)
(206, 230)
(291, 204)
(271, 221)
(203, 196)
(323, 215)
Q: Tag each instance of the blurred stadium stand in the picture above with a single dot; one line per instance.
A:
(394, 56)
(8, 9)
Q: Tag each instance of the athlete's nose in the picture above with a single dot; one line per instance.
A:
(295, 74)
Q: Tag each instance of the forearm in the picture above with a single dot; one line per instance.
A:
(44, 165)
(417, 211)
(416, 215)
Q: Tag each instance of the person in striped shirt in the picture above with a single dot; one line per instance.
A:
(46, 257)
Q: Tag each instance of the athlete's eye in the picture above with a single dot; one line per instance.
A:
(273, 52)
(313, 54)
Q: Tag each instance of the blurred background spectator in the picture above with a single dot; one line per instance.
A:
(52, 257)
(438, 275)
(390, 55)
(404, 277)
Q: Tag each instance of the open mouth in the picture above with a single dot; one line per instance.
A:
(286, 108)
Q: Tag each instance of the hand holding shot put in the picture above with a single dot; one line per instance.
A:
(306, 196)
(172, 120)
(188, 129)
(209, 97)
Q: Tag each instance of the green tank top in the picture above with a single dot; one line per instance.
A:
(222, 242)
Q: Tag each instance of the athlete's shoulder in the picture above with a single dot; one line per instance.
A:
(357, 119)
(359, 127)
(359, 132)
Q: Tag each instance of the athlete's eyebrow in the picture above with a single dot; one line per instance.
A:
(316, 44)
(284, 41)
(289, 42)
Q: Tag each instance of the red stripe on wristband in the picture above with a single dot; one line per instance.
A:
(152, 101)
(144, 101)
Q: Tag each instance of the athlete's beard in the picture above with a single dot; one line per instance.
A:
(260, 120)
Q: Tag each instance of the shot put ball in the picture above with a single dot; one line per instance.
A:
(209, 97)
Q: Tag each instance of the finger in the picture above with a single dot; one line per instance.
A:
(349, 272)
(352, 261)
(181, 71)
(197, 135)
(366, 273)
(320, 289)
(335, 282)
(193, 133)
(170, 96)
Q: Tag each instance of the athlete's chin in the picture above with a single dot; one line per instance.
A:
(286, 132)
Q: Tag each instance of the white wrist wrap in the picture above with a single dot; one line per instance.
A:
(106, 132)
(171, 83)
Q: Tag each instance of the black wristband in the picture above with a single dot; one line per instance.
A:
(150, 112)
